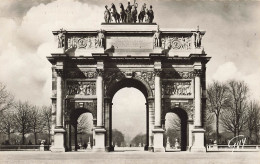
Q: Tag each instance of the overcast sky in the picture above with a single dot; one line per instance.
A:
(232, 39)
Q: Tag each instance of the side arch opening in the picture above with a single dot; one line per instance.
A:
(176, 120)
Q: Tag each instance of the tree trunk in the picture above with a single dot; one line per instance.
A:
(250, 136)
(8, 135)
(49, 134)
(217, 126)
(35, 138)
(256, 135)
(23, 138)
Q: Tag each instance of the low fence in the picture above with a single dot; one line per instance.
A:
(24, 147)
(232, 148)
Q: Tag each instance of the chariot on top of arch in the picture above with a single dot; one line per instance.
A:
(128, 14)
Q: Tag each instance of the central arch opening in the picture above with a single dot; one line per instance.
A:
(129, 120)
(129, 115)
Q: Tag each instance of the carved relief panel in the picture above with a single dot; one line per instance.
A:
(83, 42)
(81, 88)
(177, 88)
(176, 43)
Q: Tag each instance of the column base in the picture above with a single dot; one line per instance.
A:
(158, 140)
(58, 145)
(146, 148)
(95, 149)
(150, 148)
(99, 140)
(198, 149)
(198, 145)
(110, 148)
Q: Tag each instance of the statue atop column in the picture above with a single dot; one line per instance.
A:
(61, 38)
(157, 37)
(100, 38)
(197, 38)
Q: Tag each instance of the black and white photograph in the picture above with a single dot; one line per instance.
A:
(129, 81)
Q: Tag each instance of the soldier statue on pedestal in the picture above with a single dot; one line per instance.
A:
(197, 38)
(157, 37)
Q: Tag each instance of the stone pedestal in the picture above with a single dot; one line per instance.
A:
(100, 139)
(168, 145)
(59, 135)
(158, 140)
(99, 50)
(41, 147)
(157, 50)
(198, 144)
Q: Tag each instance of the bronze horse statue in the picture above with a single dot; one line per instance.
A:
(122, 13)
(114, 13)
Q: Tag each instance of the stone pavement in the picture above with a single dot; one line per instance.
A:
(128, 157)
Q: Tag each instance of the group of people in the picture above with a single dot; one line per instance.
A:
(128, 15)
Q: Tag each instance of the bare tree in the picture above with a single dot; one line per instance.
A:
(253, 120)
(7, 123)
(47, 117)
(209, 122)
(6, 99)
(217, 96)
(234, 118)
(22, 118)
(174, 122)
(173, 127)
(84, 124)
(36, 121)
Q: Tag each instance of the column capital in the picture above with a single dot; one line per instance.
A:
(157, 72)
(100, 72)
(60, 72)
(197, 72)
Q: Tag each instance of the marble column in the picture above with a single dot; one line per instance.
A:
(76, 135)
(68, 136)
(158, 131)
(59, 132)
(100, 98)
(198, 131)
(147, 127)
(108, 124)
(151, 123)
(190, 128)
(100, 131)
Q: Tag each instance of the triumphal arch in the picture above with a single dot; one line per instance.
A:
(167, 65)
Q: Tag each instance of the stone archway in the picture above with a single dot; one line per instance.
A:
(183, 116)
(74, 116)
(140, 85)
(171, 73)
